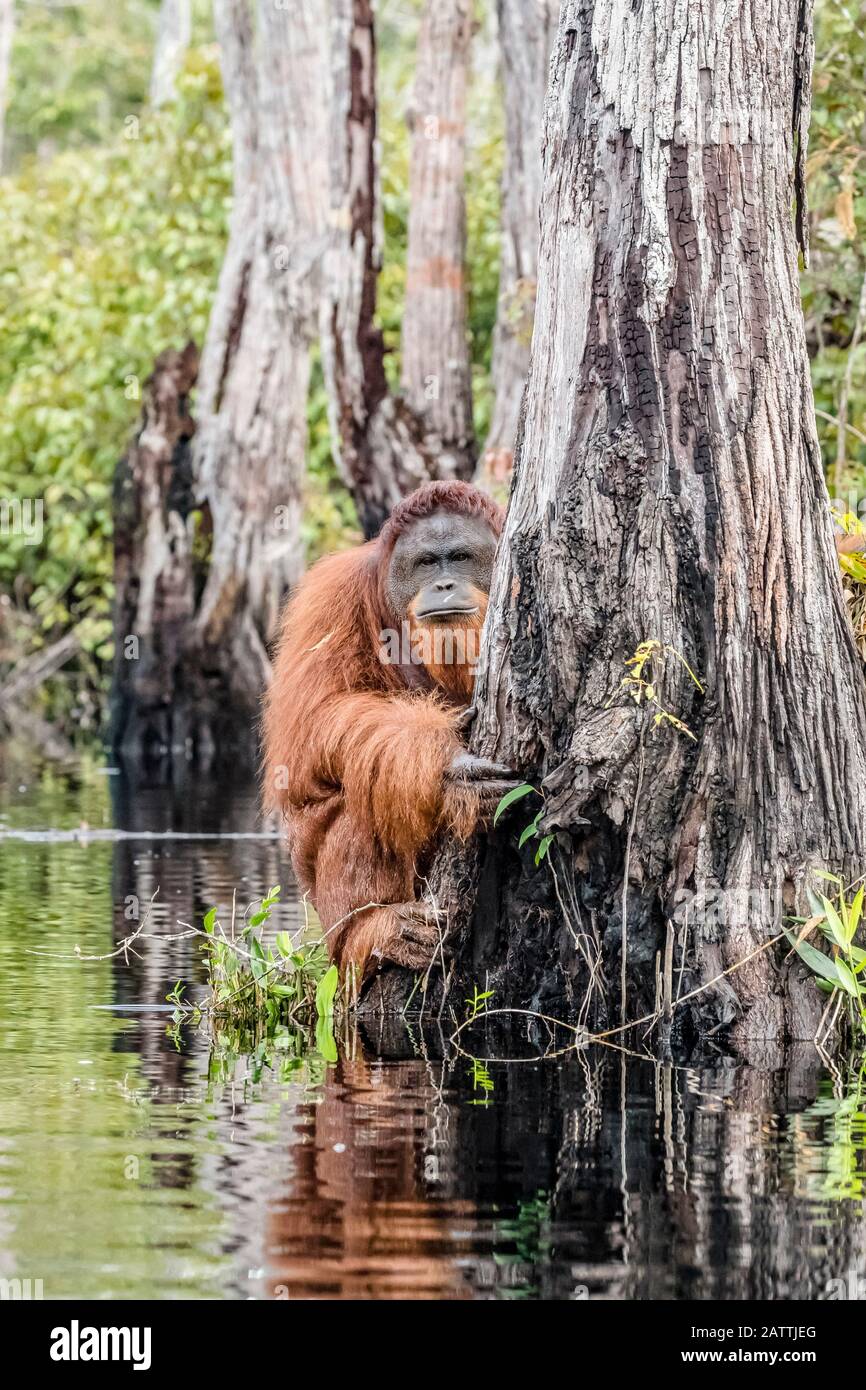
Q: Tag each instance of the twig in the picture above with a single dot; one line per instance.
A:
(623, 995)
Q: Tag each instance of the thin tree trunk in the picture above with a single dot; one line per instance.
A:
(526, 33)
(382, 446)
(250, 453)
(668, 487)
(154, 591)
(173, 31)
(436, 367)
(7, 34)
(248, 458)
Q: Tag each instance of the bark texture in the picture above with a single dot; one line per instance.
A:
(668, 487)
(436, 367)
(383, 447)
(250, 449)
(173, 30)
(247, 466)
(526, 32)
(154, 589)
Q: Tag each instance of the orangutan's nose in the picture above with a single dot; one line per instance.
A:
(444, 586)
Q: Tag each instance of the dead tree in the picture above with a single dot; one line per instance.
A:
(668, 490)
(526, 32)
(248, 458)
(384, 447)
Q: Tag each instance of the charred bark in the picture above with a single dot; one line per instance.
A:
(526, 32)
(383, 447)
(668, 488)
(250, 450)
(154, 596)
(248, 458)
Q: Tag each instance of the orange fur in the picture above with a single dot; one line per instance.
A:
(356, 749)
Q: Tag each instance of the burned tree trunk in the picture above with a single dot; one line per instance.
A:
(248, 458)
(526, 33)
(437, 372)
(250, 450)
(154, 596)
(255, 365)
(668, 490)
(383, 447)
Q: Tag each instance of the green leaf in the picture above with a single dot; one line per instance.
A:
(258, 960)
(855, 912)
(817, 962)
(827, 876)
(510, 797)
(541, 852)
(284, 944)
(325, 1037)
(840, 936)
(210, 921)
(847, 979)
(530, 831)
(325, 991)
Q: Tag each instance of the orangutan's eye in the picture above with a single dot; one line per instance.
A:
(425, 560)
(458, 557)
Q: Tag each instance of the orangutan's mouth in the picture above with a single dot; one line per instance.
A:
(445, 613)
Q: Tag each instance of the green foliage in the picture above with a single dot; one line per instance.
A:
(478, 1003)
(837, 199)
(840, 973)
(251, 980)
(107, 256)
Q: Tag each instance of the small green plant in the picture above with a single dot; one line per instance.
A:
(175, 995)
(249, 978)
(639, 682)
(481, 1081)
(532, 831)
(478, 1003)
(839, 974)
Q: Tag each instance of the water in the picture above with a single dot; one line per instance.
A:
(137, 1162)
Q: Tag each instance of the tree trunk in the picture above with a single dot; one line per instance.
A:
(526, 32)
(250, 451)
(154, 594)
(248, 459)
(173, 30)
(436, 367)
(668, 487)
(383, 448)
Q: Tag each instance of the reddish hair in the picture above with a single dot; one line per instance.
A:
(462, 498)
(355, 750)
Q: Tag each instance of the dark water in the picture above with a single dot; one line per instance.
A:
(137, 1159)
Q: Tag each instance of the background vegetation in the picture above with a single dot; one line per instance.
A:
(112, 227)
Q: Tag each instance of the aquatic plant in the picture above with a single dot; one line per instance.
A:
(840, 973)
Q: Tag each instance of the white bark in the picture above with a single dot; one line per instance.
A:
(436, 366)
(526, 32)
(173, 32)
(250, 450)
